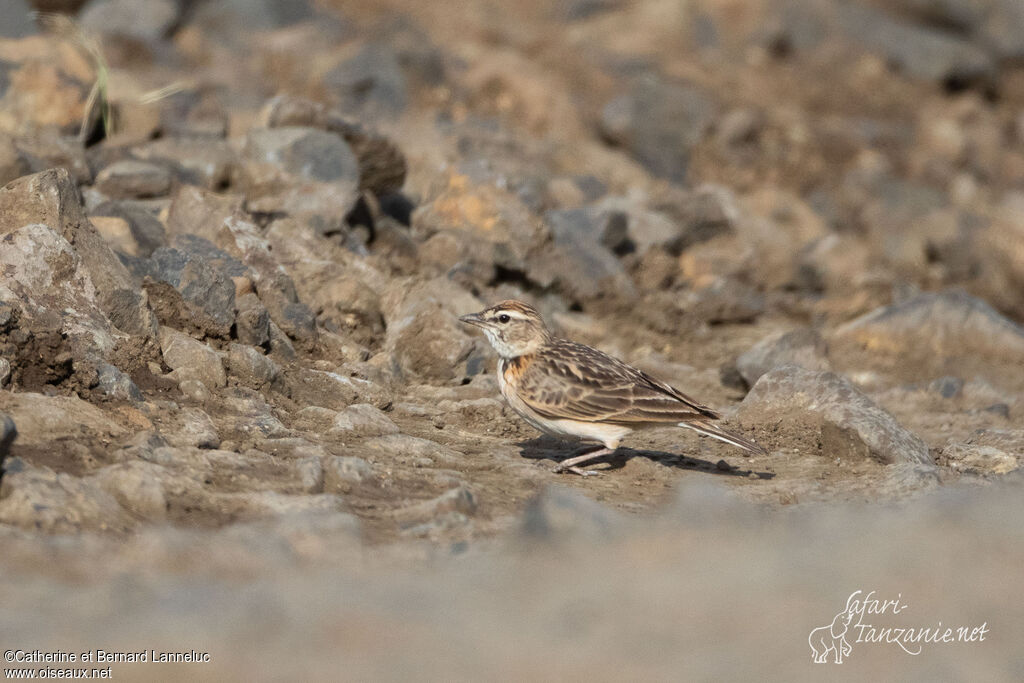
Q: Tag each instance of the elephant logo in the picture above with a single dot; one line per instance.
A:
(832, 638)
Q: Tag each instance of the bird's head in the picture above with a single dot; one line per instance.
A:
(513, 328)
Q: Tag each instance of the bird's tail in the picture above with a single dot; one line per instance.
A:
(716, 432)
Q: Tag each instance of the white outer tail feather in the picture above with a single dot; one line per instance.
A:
(716, 432)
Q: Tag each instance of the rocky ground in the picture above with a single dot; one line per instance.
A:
(235, 238)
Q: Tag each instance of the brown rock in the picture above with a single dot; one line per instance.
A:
(52, 199)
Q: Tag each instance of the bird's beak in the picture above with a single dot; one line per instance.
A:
(473, 319)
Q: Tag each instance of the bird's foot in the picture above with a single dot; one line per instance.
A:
(572, 464)
(562, 468)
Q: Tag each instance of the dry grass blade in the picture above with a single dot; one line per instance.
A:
(162, 93)
(97, 106)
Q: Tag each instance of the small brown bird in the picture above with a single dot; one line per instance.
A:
(573, 391)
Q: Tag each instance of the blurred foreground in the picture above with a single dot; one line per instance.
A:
(713, 588)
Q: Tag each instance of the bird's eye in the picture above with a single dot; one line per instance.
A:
(504, 318)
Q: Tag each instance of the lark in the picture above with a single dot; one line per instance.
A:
(576, 392)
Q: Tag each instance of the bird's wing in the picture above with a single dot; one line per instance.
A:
(576, 382)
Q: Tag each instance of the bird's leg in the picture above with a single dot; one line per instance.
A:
(572, 464)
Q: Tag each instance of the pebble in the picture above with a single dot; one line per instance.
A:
(133, 179)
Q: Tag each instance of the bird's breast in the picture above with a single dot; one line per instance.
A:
(510, 371)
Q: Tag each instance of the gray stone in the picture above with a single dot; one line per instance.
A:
(203, 161)
(137, 486)
(1003, 30)
(802, 347)
(274, 505)
(343, 473)
(146, 229)
(191, 291)
(659, 124)
(580, 10)
(837, 417)
(904, 479)
(5, 371)
(291, 316)
(44, 420)
(314, 418)
(945, 333)
(182, 351)
(738, 128)
(1000, 409)
(195, 390)
(592, 225)
(131, 179)
(288, 464)
(958, 16)
(194, 211)
(640, 228)
(5, 82)
(39, 499)
(361, 419)
(795, 26)
(280, 344)
(310, 473)
(332, 390)
(252, 321)
(193, 428)
(948, 322)
(369, 83)
(382, 165)
(292, 447)
(140, 445)
(182, 458)
(48, 152)
(142, 20)
(15, 22)
(250, 366)
(116, 384)
(421, 59)
(507, 235)
(242, 17)
(700, 502)
(350, 307)
(458, 500)
(561, 514)
(301, 153)
(258, 424)
(947, 387)
(306, 173)
(724, 300)
(8, 315)
(260, 267)
(95, 273)
(195, 115)
(12, 162)
(8, 433)
(986, 451)
(581, 264)
(59, 308)
(414, 451)
(426, 341)
(699, 215)
(439, 527)
(222, 261)
(920, 52)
